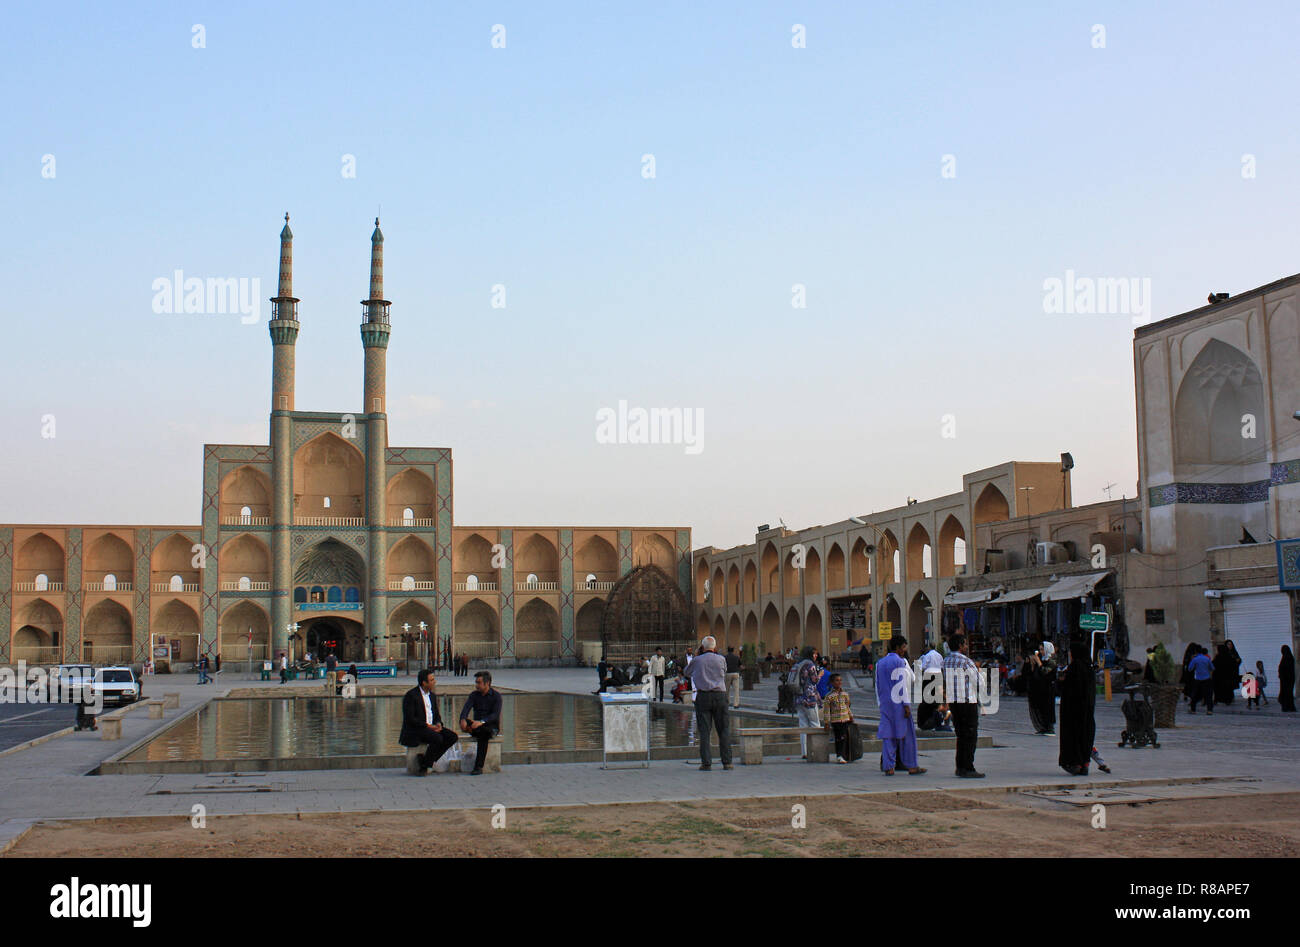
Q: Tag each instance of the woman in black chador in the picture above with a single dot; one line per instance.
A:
(1038, 687)
(1286, 681)
(1078, 701)
(1186, 678)
(1227, 673)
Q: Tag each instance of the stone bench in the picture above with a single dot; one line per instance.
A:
(413, 754)
(751, 742)
(468, 751)
(171, 701)
(110, 727)
(155, 709)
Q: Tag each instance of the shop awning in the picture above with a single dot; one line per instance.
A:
(1019, 595)
(1073, 586)
(970, 598)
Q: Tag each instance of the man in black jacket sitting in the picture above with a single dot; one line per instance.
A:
(421, 722)
(481, 716)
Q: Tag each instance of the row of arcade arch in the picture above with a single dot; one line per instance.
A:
(775, 633)
(770, 575)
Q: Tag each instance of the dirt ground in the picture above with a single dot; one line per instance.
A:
(933, 823)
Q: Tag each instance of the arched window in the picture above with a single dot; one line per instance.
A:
(352, 595)
(176, 584)
(300, 594)
(245, 583)
(336, 594)
(591, 579)
(532, 578)
(245, 513)
(42, 582)
(408, 583)
(317, 593)
(110, 583)
(471, 583)
(327, 503)
(408, 515)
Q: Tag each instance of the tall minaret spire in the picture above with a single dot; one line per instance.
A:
(284, 335)
(377, 264)
(375, 329)
(286, 261)
(284, 327)
(374, 337)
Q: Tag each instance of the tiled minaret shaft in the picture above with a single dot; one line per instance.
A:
(284, 335)
(374, 337)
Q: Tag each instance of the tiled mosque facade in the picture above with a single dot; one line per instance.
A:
(326, 538)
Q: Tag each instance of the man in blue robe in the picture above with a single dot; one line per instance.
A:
(896, 732)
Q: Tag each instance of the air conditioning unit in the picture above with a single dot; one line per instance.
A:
(1052, 553)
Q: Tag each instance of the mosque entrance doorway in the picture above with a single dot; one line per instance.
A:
(338, 635)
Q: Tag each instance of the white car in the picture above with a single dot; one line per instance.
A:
(118, 685)
(69, 680)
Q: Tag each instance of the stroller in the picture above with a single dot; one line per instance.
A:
(1139, 719)
(785, 694)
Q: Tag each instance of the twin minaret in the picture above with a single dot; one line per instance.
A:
(375, 330)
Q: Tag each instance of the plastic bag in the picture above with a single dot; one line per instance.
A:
(449, 761)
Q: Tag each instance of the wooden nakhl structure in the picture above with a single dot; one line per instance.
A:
(646, 610)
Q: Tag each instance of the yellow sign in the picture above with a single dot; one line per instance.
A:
(884, 630)
(834, 642)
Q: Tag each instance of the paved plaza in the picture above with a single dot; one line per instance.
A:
(1257, 750)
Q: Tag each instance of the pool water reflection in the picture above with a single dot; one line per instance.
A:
(282, 728)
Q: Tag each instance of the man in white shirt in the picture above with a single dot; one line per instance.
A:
(928, 715)
(422, 723)
(658, 666)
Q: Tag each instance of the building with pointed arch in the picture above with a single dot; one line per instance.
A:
(325, 538)
(1206, 548)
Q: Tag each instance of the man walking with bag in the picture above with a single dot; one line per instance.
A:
(658, 668)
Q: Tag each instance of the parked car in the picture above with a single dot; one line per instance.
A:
(118, 685)
(67, 680)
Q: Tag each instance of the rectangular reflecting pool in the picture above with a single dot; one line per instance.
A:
(309, 733)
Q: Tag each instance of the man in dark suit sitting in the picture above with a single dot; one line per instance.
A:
(421, 722)
(481, 716)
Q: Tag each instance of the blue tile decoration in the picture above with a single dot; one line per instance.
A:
(1288, 563)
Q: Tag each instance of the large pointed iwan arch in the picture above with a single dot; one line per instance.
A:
(1220, 401)
(646, 610)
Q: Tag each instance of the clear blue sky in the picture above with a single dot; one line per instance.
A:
(522, 166)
